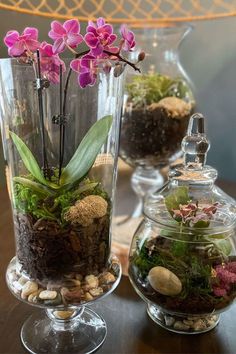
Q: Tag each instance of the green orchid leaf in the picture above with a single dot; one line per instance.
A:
(37, 187)
(30, 162)
(87, 151)
(85, 188)
(178, 196)
(28, 158)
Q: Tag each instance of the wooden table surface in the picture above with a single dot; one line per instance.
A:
(130, 331)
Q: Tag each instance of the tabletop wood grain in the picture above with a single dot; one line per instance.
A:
(130, 331)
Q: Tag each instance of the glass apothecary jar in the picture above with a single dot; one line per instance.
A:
(182, 258)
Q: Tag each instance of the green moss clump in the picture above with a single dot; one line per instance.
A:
(30, 201)
(151, 88)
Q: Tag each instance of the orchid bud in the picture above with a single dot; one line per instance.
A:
(141, 56)
(118, 70)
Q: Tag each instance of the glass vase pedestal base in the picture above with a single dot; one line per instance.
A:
(84, 332)
(189, 324)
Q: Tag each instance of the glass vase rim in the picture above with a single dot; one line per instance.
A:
(169, 29)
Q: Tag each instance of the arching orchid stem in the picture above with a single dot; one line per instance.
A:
(123, 60)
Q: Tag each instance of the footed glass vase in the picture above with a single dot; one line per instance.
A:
(60, 144)
(157, 107)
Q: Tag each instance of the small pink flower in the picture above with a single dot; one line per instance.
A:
(99, 37)
(64, 35)
(18, 44)
(224, 275)
(50, 63)
(128, 38)
(219, 291)
(231, 267)
(86, 67)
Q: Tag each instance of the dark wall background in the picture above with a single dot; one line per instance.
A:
(208, 55)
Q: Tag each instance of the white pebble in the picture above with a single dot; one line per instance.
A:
(63, 315)
(164, 281)
(88, 297)
(180, 326)
(77, 282)
(22, 280)
(107, 278)
(91, 281)
(96, 291)
(29, 288)
(48, 295)
(199, 325)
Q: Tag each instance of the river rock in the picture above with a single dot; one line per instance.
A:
(29, 288)
(48, 295)
(106, 278)
(164, 281)
(180, 326)
(63, 315)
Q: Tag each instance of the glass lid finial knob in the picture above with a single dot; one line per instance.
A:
(195, 144)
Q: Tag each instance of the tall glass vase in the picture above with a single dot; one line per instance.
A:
(60, 144)
(157, 108)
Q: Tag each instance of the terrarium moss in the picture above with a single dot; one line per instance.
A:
(151, 88)
(29, 201)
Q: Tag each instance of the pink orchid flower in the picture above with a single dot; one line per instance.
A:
(99, 37)
(50, 63)
(128, 38)
(18, 44)
(86, 67)
(65, 35)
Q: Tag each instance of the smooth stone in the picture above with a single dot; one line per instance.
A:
(29, 288)
(48, 295)
(88, 297)
(22, 280)
(210, 323)
(199, 325)
(169, 321)
(54, 302)
(106, 278)
(63, 315)
(188, 322)
(164, 281)
(179, 325)
(91, 281)
(96, 292)
(34, 296)
(77, 282)
(72, 295)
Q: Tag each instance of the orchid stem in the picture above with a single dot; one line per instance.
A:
(41, 117)
(61, 143)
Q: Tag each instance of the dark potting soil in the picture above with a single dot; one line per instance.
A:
(45, 250)
(150, 137)
(192, 304)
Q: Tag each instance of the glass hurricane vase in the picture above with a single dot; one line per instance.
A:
(60, 144)
(157, 107)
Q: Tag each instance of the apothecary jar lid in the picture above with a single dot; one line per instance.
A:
(190, 200)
